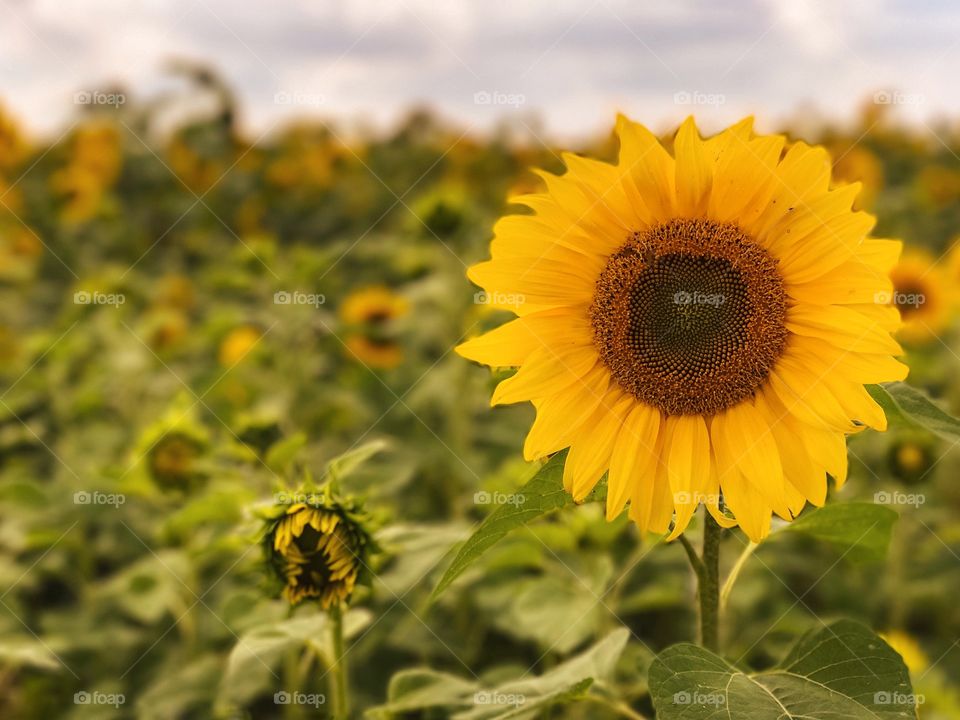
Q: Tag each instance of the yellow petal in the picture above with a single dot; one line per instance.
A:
(634, 460)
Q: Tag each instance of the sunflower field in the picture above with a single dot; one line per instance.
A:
(249, 466)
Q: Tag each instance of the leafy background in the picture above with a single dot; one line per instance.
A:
(199, 397)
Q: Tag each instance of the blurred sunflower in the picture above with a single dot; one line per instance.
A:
(858, 164)
(919, 291)
(910, 457)
(238, 343)
(317, 549)
(908, 648)
(13, 146)
(695, 324)
(368, 313)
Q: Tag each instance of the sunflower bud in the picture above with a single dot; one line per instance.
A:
(318, 548)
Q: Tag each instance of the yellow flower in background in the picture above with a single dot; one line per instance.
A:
(368, 314)
(858, 164)
(238, 344)
(377, 353)
(198, 172)
(920, 293)
(80, 191)
(96, 149)
(695, 324)
(909, 649)
(318, 551)
(13, 146)
(374, 304)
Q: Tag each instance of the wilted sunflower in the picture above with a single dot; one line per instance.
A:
(318, 549)
(919, 293)
(697, 324)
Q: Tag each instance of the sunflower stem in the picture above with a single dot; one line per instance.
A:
(708, 584)
(341, 699)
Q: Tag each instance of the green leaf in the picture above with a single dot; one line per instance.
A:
(420, 689)
(905, 404)
(861, 531)
(343, 465)
(252, 667)
(542, 494)
(843, 671)
(282, 453)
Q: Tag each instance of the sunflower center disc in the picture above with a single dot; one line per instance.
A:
(690, 316)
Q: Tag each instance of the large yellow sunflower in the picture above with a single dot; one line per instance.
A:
(700, 325)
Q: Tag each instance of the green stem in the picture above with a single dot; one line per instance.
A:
(341, 698)
(734, 573)
(621, 708)
(708, 584)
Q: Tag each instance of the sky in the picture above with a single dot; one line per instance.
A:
(563, 66)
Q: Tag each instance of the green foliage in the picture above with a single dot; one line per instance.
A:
(840, 670)
(861, 531)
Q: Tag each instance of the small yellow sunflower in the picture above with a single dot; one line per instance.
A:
(697, 325)
(238, 344)
(919, 292)
(368, 313)
(317, 551)
(908, 648)
(372, 305)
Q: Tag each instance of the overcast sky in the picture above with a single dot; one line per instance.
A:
(572, 63)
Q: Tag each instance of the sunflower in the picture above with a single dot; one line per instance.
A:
(919, 294)
(699, 326)
(318, 549)
(368, 313)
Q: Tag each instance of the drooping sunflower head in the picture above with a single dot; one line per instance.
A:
(318, 548)
(919, 293)
(698, 325)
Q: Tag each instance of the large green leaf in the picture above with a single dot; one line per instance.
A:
(423, 689)
(910, 406)
(861, 531)
(842, 671)
(542, 494)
